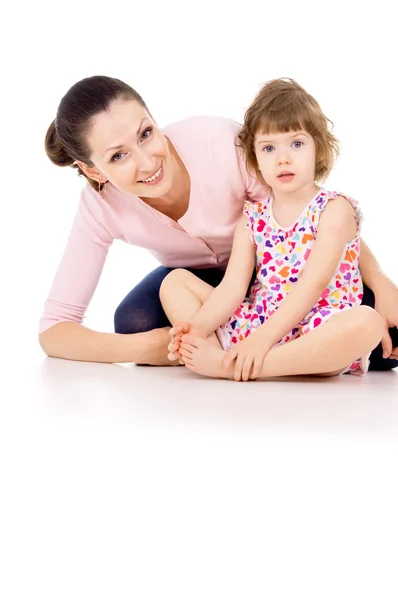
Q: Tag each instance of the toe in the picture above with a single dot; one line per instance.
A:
(187, 348)
(194, 340)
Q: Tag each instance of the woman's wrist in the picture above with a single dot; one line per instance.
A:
(377, 281)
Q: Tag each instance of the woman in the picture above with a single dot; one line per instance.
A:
(178, 192)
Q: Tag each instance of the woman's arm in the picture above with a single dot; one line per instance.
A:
(62, 334)
(371, 272)
(337, 226)
(76, 342)
(386, 296)
(229, 294)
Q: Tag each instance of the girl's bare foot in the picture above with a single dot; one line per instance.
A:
(203, 357)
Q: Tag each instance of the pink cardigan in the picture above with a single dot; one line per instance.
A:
(201, 238)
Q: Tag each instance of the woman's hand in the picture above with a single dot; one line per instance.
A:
(248, 357)
(386, 304)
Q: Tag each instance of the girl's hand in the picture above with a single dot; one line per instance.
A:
(386, 304)
(248, 356)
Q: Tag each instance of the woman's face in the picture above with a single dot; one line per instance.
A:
(129, 150)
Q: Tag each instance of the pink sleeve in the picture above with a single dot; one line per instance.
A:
(80, 268)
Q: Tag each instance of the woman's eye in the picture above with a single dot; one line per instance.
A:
(297, 144)
(118, 156)
(146, 133)
(269, 148)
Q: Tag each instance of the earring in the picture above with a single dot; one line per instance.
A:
(101, 189)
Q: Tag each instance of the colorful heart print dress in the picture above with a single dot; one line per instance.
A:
(282, 254)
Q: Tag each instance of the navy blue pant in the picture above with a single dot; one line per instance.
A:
(141, 310)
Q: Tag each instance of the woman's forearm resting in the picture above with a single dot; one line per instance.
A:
(75, 342)
(371, 271)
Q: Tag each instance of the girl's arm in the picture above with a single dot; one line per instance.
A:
(229, 294)
(337, 226)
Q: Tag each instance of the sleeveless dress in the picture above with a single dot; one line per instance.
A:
(282, 254)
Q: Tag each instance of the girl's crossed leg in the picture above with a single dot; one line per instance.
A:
(182, 294)
(325, 351)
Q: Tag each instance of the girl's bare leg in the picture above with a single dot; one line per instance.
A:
(324, 351)
(182, 294)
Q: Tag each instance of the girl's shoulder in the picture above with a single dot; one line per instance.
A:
(324, 197)
(255, 211)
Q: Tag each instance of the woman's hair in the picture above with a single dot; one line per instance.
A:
(66, 138)
(282, 105)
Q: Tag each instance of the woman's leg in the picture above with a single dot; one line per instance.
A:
(324, 351)
(377, 362)
(141, 310)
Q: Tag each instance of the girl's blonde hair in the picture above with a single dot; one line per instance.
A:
(282, 105)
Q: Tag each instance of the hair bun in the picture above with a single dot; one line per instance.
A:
(54, 149)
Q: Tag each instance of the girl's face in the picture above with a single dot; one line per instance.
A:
(129, 150)
(286, 160)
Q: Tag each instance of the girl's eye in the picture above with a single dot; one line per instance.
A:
(268, 148)
(297, 144)
(118, 156)
(146, 133)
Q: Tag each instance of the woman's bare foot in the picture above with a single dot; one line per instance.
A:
(204, 357)
(155, 353)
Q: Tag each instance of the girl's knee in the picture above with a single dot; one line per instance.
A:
(369, 323)
(175, 278)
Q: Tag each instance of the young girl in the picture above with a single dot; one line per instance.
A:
(304, 243)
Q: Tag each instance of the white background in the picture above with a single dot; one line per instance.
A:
(113, 486)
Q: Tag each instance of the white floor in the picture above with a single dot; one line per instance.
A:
(123, 482)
